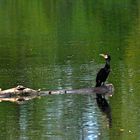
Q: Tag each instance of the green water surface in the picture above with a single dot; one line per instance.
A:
(55, 44)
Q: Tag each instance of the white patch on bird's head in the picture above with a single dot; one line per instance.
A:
(106, 56)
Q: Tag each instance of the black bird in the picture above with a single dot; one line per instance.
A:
(103, 72)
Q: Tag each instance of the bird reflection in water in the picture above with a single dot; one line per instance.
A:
(105, 108)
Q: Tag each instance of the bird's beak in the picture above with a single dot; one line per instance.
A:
(104, 56)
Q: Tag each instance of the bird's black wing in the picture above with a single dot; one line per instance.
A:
(99, 77)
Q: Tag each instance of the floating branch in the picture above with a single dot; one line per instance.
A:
(21, 93)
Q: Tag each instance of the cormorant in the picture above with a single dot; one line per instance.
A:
(103, 72)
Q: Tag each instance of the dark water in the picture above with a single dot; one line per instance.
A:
(51, 44)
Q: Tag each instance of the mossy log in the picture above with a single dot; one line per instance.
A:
(21, 93)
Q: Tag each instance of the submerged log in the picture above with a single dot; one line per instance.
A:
(21, 93)
(105, 90)
(18, 91)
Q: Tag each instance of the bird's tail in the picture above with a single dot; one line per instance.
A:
(98, 83)
(99, 96)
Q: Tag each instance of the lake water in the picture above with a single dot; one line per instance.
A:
(51, 44)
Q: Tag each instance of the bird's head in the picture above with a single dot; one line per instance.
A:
(106, 56)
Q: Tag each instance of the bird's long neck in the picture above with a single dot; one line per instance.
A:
(107, 65)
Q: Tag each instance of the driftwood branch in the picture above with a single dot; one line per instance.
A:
(21, 93)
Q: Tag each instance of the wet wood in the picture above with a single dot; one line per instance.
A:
(20, 93)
